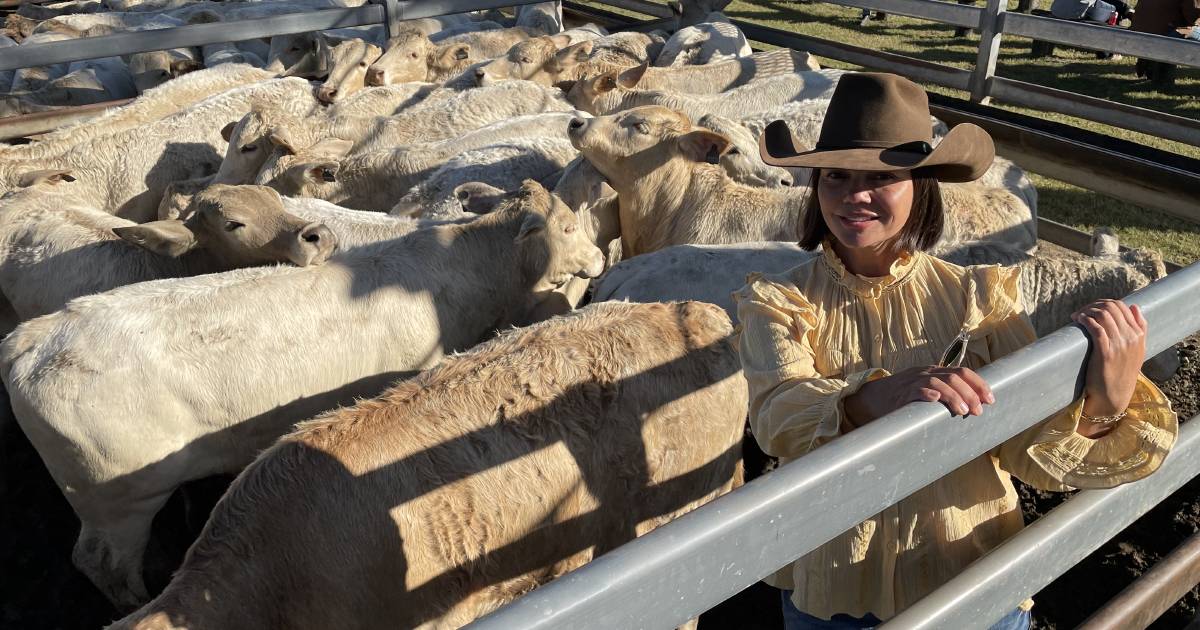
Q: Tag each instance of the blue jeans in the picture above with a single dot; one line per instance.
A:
(795, 619)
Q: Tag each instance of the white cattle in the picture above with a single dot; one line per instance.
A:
(225, 363)
(714, 40)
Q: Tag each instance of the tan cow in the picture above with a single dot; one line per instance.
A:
(670, 187)
(54, 248)
(461, 489)
(412, 56)
(347, 62)
(550, 59)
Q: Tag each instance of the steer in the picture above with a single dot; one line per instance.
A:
(458, 491)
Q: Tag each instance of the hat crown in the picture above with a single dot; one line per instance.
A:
(875, 110)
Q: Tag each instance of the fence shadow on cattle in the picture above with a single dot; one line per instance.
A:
(412, 477)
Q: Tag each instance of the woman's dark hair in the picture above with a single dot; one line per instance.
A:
(923, 229)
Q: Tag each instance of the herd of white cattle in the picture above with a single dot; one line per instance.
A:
(281, 230)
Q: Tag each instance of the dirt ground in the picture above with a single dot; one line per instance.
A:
(40, 589)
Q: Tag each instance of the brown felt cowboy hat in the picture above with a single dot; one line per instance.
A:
(880, 122)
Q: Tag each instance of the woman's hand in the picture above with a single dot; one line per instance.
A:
(1118, 349)
(962, 391)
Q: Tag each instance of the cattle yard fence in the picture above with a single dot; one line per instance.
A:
(683, 568)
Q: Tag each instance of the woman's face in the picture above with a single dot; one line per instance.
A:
(865, 208)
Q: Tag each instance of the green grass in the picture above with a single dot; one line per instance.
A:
(1073, 70)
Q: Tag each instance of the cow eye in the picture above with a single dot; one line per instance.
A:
(362, 64)
(642, 128)
(249, 148)
(525, 60)
(570, 229)
(413, 54)
(733, 151)
(233, 225)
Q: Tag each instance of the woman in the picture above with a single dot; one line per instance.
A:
(859, 331)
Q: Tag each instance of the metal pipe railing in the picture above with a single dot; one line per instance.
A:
(998, 582)
(235, 31)
(685, 567)
(1153, 593)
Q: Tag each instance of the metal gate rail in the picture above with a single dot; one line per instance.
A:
(236, 31)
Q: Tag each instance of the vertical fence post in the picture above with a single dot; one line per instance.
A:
(393, 15)
(991, 24)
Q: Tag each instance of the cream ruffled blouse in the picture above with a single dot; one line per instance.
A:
(815, 334)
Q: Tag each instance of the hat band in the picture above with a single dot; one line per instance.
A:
(916, 146)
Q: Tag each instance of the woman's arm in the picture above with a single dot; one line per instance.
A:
(793, 408)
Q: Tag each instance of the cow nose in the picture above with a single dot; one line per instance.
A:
(576, 124)
(327, 94)
(480, 75)
(786, 181)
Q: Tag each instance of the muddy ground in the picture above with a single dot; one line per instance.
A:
(39, 588)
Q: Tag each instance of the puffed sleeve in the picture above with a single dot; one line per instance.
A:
(793, 409)
(1052, 455)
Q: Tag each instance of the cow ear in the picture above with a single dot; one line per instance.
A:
(560, 40)
(322, 171)
(280, 138)
(534, 223)
(702, 145)
(49, 176)
(606, 82)
(478, 197)
(331, 147)
(574, 54)
(170, 237)
(629, 79)
(455, 52)
(227, 130)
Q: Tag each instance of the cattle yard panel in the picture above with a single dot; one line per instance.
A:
(687, 566)
(241, 30)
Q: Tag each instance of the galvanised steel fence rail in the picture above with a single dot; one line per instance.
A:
(685, 567)
(389, 12)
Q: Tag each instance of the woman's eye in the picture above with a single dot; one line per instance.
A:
(642, 128)
(233, 225)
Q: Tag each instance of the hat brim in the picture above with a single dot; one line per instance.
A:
(963, 155)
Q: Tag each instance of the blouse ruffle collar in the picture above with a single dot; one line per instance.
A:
(866, 286)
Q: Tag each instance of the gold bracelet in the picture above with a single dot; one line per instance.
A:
(1113, 419)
